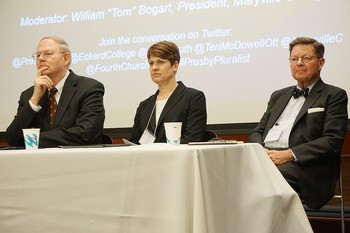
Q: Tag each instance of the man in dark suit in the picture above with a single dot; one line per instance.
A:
(172, 102)
(80, 112)
(304, 126)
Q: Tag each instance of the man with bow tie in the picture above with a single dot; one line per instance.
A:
(304, 126)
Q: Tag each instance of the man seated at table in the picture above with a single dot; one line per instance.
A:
(79, 101)
(304, 126)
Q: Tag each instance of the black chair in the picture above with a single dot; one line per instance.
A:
(106, 139)
(341, 199)
(331, 210)
(209, 135)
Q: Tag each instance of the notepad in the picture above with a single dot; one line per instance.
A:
(216, 142)
(93, 146)
(11, 148)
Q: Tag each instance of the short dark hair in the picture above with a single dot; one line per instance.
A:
(319, 47)
(165, 50)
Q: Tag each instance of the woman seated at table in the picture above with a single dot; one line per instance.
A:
(172, 102)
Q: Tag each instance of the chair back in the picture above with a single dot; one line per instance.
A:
(341, 200)
(208, 135)
(106, 139)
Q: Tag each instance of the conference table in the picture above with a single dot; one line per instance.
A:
(154, 188)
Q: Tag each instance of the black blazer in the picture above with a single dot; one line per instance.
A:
(316, 138)
(79, 117)
(186, 105)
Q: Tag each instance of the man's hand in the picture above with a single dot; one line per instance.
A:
(41, 84)
(280, 156)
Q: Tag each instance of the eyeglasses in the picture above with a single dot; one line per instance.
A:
(45, 54)
(304, 59)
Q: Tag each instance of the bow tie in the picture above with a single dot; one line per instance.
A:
(297, 92)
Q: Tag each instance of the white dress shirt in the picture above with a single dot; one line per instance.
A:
(278, 135)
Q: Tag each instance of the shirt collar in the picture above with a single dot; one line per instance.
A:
(310, 87)
(60, 84)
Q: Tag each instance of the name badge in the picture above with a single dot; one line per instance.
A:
(146, 138)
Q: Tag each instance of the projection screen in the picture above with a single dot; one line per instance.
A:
(235, 51)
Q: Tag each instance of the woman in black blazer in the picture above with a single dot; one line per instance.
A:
(172, 102)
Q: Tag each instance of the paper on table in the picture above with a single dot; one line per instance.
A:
(128, 142)
(216, 142)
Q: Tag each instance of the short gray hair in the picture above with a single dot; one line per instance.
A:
(62, 43)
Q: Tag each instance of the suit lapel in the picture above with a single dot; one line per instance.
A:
(151, 112)
(68, 91)
(278, 108)
(310, 100)
(174, 98)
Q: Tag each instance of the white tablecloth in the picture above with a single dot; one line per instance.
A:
(155, 188)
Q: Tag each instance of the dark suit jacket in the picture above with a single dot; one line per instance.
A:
(316, 138)
(186, 105)
(79, 117)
